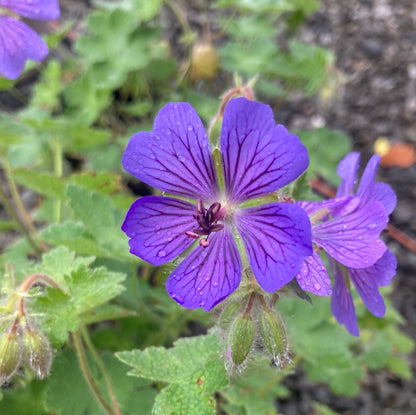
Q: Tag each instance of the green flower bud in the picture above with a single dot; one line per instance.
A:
(273, 332)
(37, 353)
(10, 355)
(240, 339)
(230, 312)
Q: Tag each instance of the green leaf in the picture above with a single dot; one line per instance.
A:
(101, 218)
(256, 391)
(107, 312)
(68, 394)
(46, 92)
(72, 135)
(43, 183)
(186, 362)
(401, 343)
(90, 288)
(75, 237)
(55, 314)
(141, 9)
(339, 370)
(326, 149)
(7, 225)
(183, 399)
(104, 182)
(300, 189)
(378, 353)
(84, 102)
(66, 391)
(60, 262)
(258, 6)
(400, 367)
(331, 362)
(12, 132)
(23, 401)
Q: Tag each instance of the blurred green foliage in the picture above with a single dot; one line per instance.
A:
(65, 146)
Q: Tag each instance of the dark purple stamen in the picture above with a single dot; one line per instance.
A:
(207, 220)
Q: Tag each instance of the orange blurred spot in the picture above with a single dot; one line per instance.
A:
(398, 154)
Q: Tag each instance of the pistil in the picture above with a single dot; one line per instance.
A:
(207, 220)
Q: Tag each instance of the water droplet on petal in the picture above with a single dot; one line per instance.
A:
(190, 127)
(317, 286)
(181, 157)
(162, 253)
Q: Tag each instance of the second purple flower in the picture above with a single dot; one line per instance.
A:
(258, 157)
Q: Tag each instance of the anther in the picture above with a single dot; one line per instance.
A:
(192, 234)
(200, 206)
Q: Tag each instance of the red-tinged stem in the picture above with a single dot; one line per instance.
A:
(25, 286)
(243, 91)
(249, 304)
(102, 368)
(401, 237)
(92, 384)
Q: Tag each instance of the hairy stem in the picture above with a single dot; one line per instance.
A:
(19, 211)
(58, 171)
(20, 224)
(101, 366)
(92, 384)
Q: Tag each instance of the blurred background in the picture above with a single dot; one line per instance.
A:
(342, 75)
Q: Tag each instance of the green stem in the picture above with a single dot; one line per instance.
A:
(101, 366)
(20, 224)
(87, 373)
(21, 214)
(58, 171)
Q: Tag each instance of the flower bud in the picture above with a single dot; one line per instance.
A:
(240, 339)
(230, 312)
(204, 61)
(37, 352)
(273, 333)
(10, 355)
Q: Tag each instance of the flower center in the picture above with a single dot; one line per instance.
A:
(207, 220)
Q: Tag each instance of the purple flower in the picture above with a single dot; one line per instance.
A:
(18, 42)
(348, 229)
(258, 157)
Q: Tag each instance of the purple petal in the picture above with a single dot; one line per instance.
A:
(383, 193)
(368, 280)
(18, 42)
(175, 157)
(342, 304)
(258, 156)
(156, 226)
(353, 240)
(33, 9)
(347, 170)
(207, 275)
(368, 178)
(369, 191)
(339, 206)
(313, 276)
(277, 238)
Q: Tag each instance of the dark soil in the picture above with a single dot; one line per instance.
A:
(374, 44)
